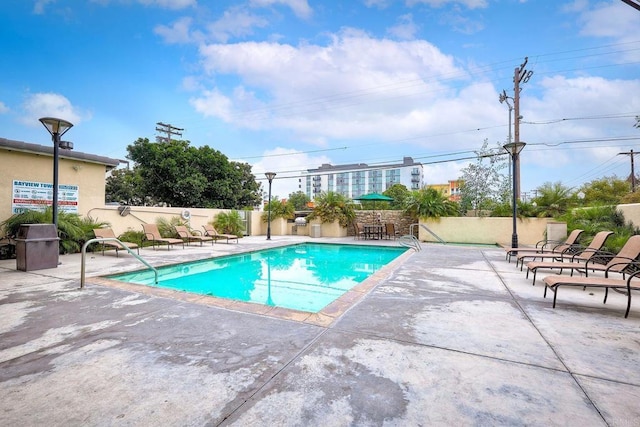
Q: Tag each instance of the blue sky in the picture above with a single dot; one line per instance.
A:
(287, 85)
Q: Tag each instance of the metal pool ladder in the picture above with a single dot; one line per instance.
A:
(410, 241)
(111, 239)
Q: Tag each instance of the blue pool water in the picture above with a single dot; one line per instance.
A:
(304, 277)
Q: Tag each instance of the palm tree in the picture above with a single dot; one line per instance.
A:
(429, 203)
(553, 199)
(331, 206)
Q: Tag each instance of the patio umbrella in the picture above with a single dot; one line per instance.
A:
(374, 197)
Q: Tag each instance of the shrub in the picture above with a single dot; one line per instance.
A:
(229, 223)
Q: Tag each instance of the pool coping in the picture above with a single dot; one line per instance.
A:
(325, 317)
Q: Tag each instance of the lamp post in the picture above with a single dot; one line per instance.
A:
(57, 128)
(514, 149)
(270, 176)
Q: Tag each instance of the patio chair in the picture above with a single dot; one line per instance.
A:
(546, 246)
(359, 230)
(188, 236)
(390, 230)
(106, 233)
(571, 253)
(209, 230)
(152, 234)
(553, 282)
(619, 263)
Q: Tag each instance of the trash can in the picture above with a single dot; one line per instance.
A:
(37, 247)
(316, 231)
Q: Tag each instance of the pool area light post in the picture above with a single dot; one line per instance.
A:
(270, 176)
(514, 149)
(57, 128)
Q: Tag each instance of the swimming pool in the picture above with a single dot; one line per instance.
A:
(305, 277)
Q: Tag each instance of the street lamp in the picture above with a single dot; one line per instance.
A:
(57, 128)
(514, 149)
(270, 176)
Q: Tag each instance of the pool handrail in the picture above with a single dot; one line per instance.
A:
(426, 228)
(410, 241)
(111, 239)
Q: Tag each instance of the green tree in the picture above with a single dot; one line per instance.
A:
(553, 200)
(299, 200)
(278, 209)
(605, 191)
(181, 175)
(429, 203)
(399, 193)
(124, 186)
(484, 185)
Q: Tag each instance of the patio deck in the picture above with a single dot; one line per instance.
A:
(451, 336)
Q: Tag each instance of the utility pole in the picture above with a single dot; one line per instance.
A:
(505, 98)
(169, 130)
(633, 173)
(520, 75)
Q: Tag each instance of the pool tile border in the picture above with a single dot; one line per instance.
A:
(324, 318)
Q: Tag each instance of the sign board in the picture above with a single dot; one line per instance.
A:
(36, 196)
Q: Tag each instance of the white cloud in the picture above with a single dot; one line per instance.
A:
(334, 90)
(300, 8)
(406, 28)
(178, 33)
(49, 105)
(39, 6)
(471, 4)
(169, 4)
(235, 22)
(3, 108)
(615, 20)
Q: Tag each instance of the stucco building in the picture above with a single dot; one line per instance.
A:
(26, 178)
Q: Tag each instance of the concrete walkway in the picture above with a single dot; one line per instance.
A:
(450, 336)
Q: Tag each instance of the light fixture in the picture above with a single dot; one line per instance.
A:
(270, 176)
(57, 128)
(514, 149)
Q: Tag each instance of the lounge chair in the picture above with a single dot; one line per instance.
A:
(106, 233)
(572, 253)
(546, 246)
(152, 234)
(553, 282)
(619, 263)
(209, 230)
(188, 236)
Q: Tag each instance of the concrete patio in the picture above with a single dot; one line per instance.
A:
(450, 335)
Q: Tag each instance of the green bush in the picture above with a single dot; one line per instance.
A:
(229, 223)
(73, 230)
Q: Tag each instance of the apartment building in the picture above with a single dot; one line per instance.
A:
(354, 180)
(451, 189)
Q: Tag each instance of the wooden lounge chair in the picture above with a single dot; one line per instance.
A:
(106, 233)
(546, 246)
(553, 282)
(574, 253)
(188, 236)
(152, 234)
(619, 263)
(209, 230)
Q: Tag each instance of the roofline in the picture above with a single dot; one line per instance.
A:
(25, 147)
